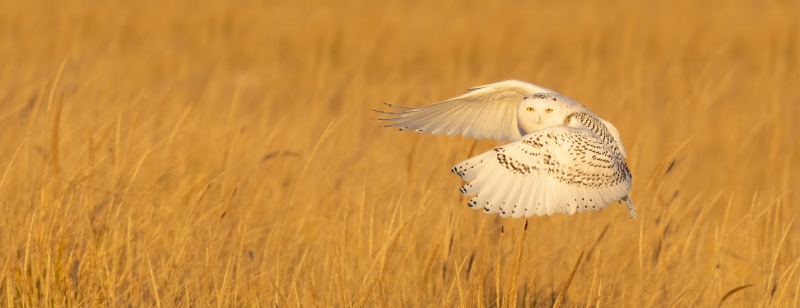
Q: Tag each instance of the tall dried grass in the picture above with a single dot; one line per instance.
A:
(222, 153)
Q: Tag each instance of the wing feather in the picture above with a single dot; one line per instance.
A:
(486, 111)
(449, 122)
(530, 196)
(550, 203)
(516, 195)
(500, 199)
(570, 205)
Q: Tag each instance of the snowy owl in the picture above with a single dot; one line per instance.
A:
(562, 158)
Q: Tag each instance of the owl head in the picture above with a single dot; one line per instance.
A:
(543, 110)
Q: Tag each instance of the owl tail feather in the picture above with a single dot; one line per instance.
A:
(631, 207)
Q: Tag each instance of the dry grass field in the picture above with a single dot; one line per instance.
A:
(223, 153)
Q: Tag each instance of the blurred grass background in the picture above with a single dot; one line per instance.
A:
(222, 153)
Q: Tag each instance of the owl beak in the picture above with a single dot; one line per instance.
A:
(539, 119)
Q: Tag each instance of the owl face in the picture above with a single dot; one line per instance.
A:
(538, 111)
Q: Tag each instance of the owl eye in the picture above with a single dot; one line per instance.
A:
(548, 110)
(529, 108)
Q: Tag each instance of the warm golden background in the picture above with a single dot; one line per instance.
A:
(222, 153)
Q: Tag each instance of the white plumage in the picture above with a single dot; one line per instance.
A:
(562, 158)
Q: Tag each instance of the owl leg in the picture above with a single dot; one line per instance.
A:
(631, 207)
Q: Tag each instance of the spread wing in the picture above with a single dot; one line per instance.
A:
(488, 111)
(559, 169)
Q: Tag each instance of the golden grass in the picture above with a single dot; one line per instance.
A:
(222, 153)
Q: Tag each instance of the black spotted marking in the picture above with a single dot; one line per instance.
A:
(515, 166)
(607, 166)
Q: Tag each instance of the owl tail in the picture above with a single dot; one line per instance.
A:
(631, 207)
